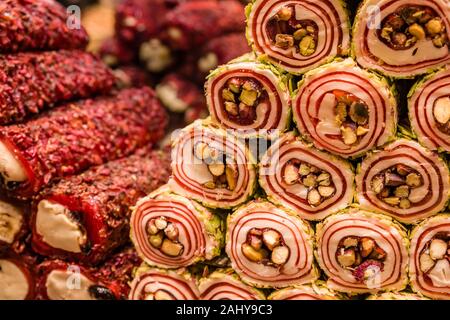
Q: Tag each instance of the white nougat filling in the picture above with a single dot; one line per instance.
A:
(57, 229)
(65, 285)
(10, 222)
(13, 283)
(10, 168)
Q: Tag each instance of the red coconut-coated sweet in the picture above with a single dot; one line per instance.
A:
(30, 82)
(26, 261)
(111, 279)
(69, 139)
(191, 24)
(138, 20)
(115, 52)
(100, 199)
(27, 25)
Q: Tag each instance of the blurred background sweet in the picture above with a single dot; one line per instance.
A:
(169, 44)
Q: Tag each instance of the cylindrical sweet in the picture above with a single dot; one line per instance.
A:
(429, 110)
(38, 25)
(158, 284)
(344, 109)
(212, 166)
(30, 82)
(250, 98)
(270, 247)
(60, 280)
(298, 35)
(17, 275)
(76, 136)
(226, 285)
(85, 217)
(404, 180)
(312, 183)
(362, 252)
(402, 38)
(315, 291)
(193, 23)
(429, 265)
(170, 231)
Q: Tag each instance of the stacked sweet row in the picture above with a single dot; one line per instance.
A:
(177, 43)
(75, 154)
(347, 199)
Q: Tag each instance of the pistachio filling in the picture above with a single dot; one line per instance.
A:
(287, 32)
(221, 167)
(352, 116)
(362, 256)
(434, 260)
(317, 183)
(441, 112)
(402, 29)
(266, 246)
(164, 235)
(241, 98)
(396, 186)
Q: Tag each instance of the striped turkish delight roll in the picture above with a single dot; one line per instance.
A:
(402, 38)
(170, 231)
(315, 291)
(404, 180)
(396, 296)
(298, 35)
(39, 25)
(212, 166)
(362, 252)
(429, 268)
(312, 183)
(269, 247)
(85, 217)
(69, 139)
(226, 285)
(31, 82)
(344, 109)
(248, 97)
(429, 110)
(158, 284)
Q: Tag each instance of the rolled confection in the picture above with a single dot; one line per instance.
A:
(226, 285)
(402, 38)
(170, 231)
(404, 180)
(270, 247)
(362, 252)
(312, 183)
(249, 97)
(158, 284)
(298, 35)
(429, 264)
(344, 109)
(315, 291)
(429, 110)
(396, 296)
(212, 166)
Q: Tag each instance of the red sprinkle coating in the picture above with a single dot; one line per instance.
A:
(30, 82)
(101, 198)
(70, 139)
(197, 22)
(111, 279)
(27, 25)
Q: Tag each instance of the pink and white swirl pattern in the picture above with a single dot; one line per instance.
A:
(219, 286)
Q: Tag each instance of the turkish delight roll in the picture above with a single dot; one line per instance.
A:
(402, 38)
(298, 35)
(344, 109)
(362, 252)
(269, 247)
(404, 180)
